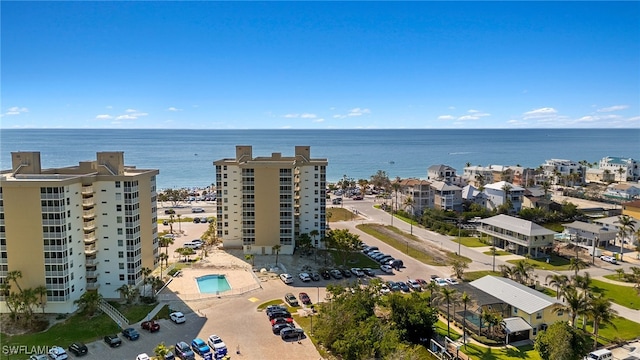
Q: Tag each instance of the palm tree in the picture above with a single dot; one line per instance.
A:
(179, 223)
(249, 257)
(277, 248)
(546, 186)
(14, 275)
(458, 267)
(466, 301)
(627, 227)
(601, 312)
(620, 172)
(494, 251)
(577, 264)
(583, 282)
(559, 281)
(41, 291)
(480, 180)
(448, 295)
(163, 257)
(145, 272)
(165, 242)
(409, 202)
(576, 303)
(507, 201)
(431, 286)
(171, 220)
(522, 271)
(89, 302)
(396, 187)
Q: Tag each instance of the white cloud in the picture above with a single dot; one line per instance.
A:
(173, 109)
(126, 117)
(318, 120)
(540, 113)
(472, 111)
(131, 110)
(308, 116)
(358, 112)
(338, 116)
(446, 117)
(475, 115)
(104, 117)
(613, 108)
(15, 110)
(291, 116)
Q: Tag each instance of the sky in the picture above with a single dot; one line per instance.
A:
(320, 65)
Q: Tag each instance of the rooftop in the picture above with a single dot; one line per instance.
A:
(514, 294)
(519, 226)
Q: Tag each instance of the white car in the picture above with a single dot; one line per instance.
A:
(387, 269)
(39, 357)
(177, 317)
(440, 281)
(609, 259)
(357, 272)
(286, 278)
(58, 353)
(143, 356)
(384, 289)
(451, 281)
(218, 346)
(304, 277)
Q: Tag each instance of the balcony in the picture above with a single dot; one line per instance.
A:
(88, 202)
(90, 238)
(93, 262)
(93, 285)
(88, 214)
(92, 274)
(89, 225)
(90, 250)
(87, 190)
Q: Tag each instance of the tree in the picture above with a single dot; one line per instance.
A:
(507, 203)
(466, 300)
(600, 312)
(145, 272)
(522, 271)
(627, 227)
(179, 223)
(161, 350)
(165, 242)
(163, 257)
(576, 303)
(576, 264)
(249, 257)
(412, 316)
(344, 242)
(396, 186)
(277, 248)
(380, 180)
(128, 292)
(409, 202)
(41, 291)
(559, 281)
(449, 296)
(561, 342)
(458, 267)
(89, 302)
(621, 171)
(175, 196)
(304, 242)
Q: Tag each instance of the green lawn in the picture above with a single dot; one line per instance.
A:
(335, 214)
(484, 353)
(498, 253)
(475, 275)
(623, 295)
(624, 329)
(555, 263)
(470, 241)
(78, 327)
(616, 277)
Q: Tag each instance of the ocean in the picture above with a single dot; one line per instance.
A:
(185, 157)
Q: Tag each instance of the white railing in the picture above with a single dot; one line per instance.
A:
(114, 314)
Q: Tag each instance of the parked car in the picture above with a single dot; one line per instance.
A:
(385, 259)
(282, 320)
(397, 264)
(304, 297)
(291, 299)
(325, 274)
(403, 286)
(278, 327)
(113, 340)
(218, 346)
(291, 333)
(357, 272)
(358, 197)
(131, 334)
(315, 276)
(451, 281)
(200, 347)
(386, 268)
(439, 281)
(197, 210)
(384, 289)
(78, 349)
(41, 356)
(393, 286)
(609, 259)
(278, 314)
(169, 212)
(143, 356)
(177, 317)
(196, 220)
(286, 278)
(58, 353)
(165, 222)
(273, 308)
(151, 326)
(336, 274)
(305, 277)
(414, 285)
(368, 272)
(345, 273)
(183, 351)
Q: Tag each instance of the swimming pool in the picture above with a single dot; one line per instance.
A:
(213, 284)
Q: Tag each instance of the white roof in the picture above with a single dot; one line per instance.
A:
(515, 294)
(519, 226)
(500, 185)
(515, 324)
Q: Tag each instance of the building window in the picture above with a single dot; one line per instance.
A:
(118, 207)
(121, 254)
(560, 312)
(117, 184)
(535, 331)
(515, 310)
(538, 316)
(120, 231)
(121, 277)
(118, 196)
(119, 219)
(120, 242)
(121, 266)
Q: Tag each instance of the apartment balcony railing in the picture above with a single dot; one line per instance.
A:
(88, 214)
(86, 190)
(53, 261)
(89, 225)
(55, 247)
(93, 285)
(92, 274)
(504, 236)
(90, 238)
(52, 209)
(90, 250)
(53, 222)
(91, 262)
(88, 201)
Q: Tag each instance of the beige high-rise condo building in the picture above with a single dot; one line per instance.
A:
(267, 201)
(77, 228)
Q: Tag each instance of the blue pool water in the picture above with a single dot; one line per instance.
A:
(213, 284)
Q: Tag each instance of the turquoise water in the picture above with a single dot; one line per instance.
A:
(213, 284)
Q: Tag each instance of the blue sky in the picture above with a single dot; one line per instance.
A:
(320, 65)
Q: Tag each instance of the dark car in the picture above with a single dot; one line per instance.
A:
(152, 325)
(369, 272)
(78, 349)
(291, 333)
(273, 308)
(113, 340)
(304, 297)
(345, 273)
(278, 327)
(131, 334)
(393, 286)
(325, 274)
(337, 274)
(403, 286)
(169, 211)
(277, 314)
(196, 220)
(184, 352)
(315, 276)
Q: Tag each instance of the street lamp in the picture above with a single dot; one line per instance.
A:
(459, 240)
(391, 212)
(593, 250)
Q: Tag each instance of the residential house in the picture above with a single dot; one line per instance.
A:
(529, 311)
(585, 234)
(624, 169)
(478, 176)
(519, 236)
(420, 192)
(498, 194)
(441, 173)
(446, 196)
(562, 172)
(626, 191)
(522, 176)
(472, 195)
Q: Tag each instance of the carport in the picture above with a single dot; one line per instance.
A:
(516, 329)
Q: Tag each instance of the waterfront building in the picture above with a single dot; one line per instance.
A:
(585, 234)
(77, 228)
(420, 192)
(441, 173)
(521, 237)
(478, 176)
(631, 208)
(623, 169)
(446, 196)
(498, 194)
(561, 171)
(267, 201)
(626, 191)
